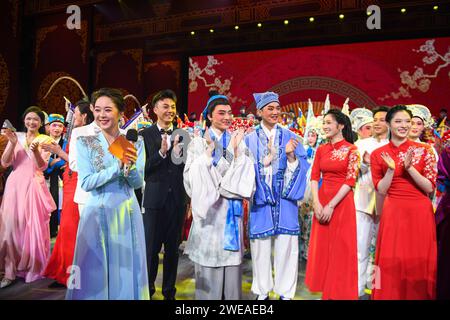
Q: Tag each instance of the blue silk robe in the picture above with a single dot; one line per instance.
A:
(274, 208)
(110, 257)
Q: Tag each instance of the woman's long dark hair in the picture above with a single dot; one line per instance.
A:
(213, 104)
(40, 114)
(341, 118)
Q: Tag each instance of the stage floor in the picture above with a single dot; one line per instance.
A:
(38, 290)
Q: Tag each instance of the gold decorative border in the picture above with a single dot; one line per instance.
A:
(331, 85)
(41, 34)
(150, 65)
(54, 102)
(4, 83)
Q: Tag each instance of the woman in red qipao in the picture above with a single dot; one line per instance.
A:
(406, 253)
(62, 255)
(332, 266)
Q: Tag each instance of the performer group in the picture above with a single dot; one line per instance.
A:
(361, 196)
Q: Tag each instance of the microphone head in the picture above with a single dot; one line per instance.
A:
(132, 135)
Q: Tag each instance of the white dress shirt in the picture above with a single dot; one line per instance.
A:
(169, 143)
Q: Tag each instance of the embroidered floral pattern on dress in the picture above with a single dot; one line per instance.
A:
(430, 168)
(353, 165)
(430, 164)
(340, 154)
(418, 153)
(93, 144)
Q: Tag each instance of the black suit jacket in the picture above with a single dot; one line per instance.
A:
(161, 174)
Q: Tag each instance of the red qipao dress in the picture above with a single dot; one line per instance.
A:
(332, 266)
(406, 251)
(62, 255)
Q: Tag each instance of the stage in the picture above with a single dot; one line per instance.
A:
(39, 290)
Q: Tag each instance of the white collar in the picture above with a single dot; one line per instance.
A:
(269, 132)
(381, 140)
(216, 133)
(159, 128)
(95, 126)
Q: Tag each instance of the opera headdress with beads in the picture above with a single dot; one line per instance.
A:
(360, 117)
(422, 112)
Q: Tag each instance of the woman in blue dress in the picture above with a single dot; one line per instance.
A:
(109, 261)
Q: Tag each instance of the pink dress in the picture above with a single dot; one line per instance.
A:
(24, 217)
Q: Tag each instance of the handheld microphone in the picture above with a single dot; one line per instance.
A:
(132, 136)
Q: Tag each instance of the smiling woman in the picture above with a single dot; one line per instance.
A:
(115, 267)
(25, 246)
(332, 258)
(405, 172)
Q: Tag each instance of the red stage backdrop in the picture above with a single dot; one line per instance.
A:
(370, 74)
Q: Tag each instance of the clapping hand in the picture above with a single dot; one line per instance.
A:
(34, 147)
(209, 142)
(408, 159)
(388, 160)
(272, 152)
(177, 146)
(52, 147)
(290, 148)
(164, 145)
(236, 139)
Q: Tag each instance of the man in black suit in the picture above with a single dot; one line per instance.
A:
(164, 195)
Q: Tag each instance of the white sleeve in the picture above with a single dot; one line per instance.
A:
(239, 180)
(201, 180)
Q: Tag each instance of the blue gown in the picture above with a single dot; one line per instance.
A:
(274, 208)
(110, 258)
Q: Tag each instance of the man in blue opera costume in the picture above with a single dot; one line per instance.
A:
(281, 165)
